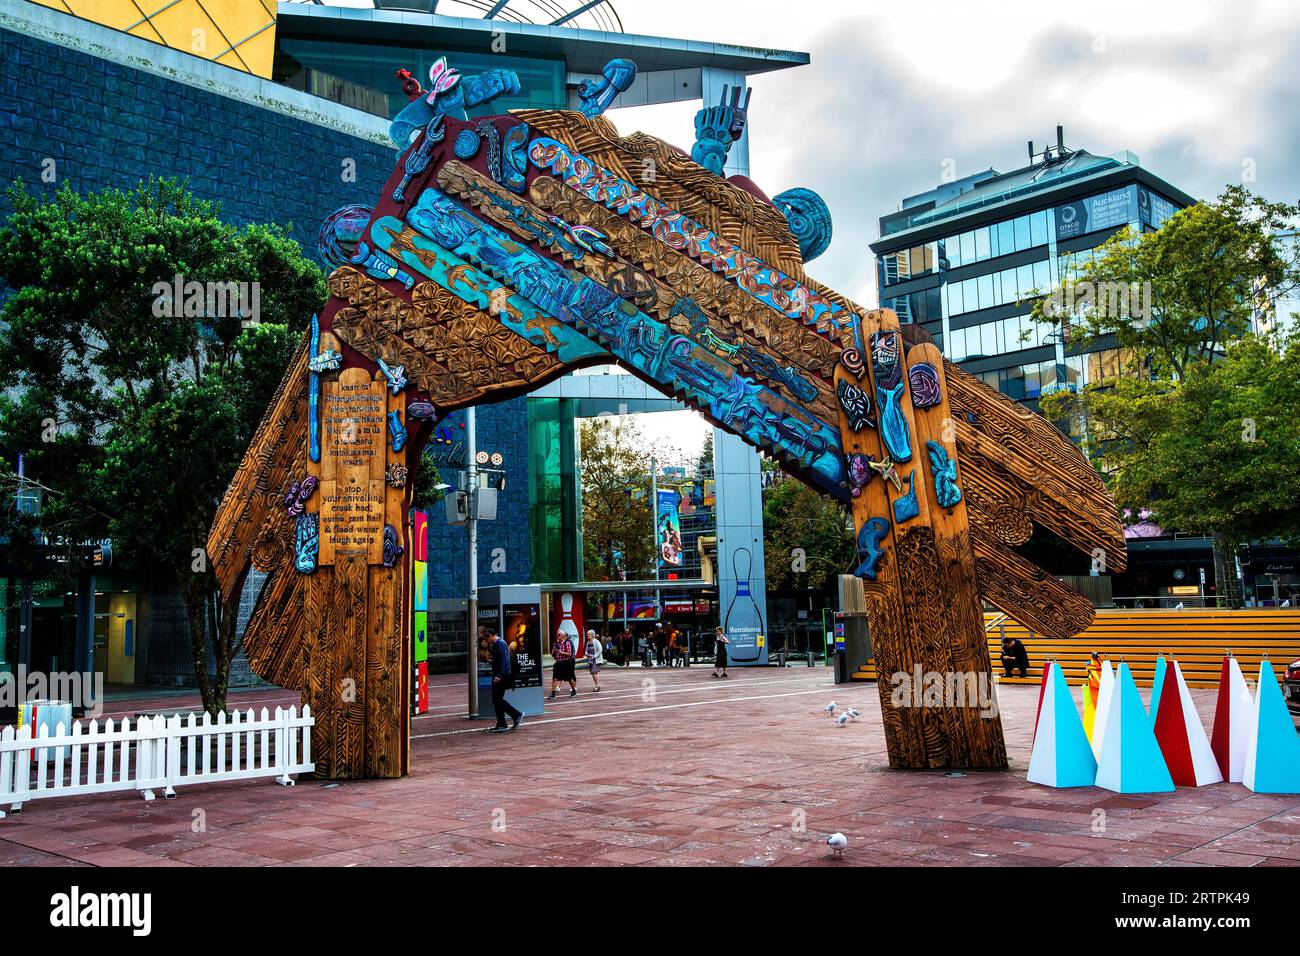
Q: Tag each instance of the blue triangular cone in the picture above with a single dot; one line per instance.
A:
(1131, 761)
(1157, 685)
(1062, 756)
(1273, 755)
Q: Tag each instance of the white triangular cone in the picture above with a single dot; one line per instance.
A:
(1131, 761)
(1181, 734)
(1234, 713)
(1105, 690)
(1061, 756)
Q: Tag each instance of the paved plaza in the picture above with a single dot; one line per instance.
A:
(683, 771)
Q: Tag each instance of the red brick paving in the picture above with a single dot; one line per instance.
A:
(704, 772)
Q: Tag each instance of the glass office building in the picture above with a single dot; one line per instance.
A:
(968, 259)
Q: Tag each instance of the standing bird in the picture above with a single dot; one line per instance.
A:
(841, 720)
(837, 842)
(830, 708)
(854, 713)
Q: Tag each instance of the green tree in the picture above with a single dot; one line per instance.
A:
(617, 529)
(1174, 302)
(807, 538)
(1179, 295)
(132, 414)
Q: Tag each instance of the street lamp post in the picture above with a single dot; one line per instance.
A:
(471, 526)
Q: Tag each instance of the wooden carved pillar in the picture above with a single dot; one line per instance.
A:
(355, 646)
(915, 558)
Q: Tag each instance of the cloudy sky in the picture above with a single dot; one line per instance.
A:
(1204, 93)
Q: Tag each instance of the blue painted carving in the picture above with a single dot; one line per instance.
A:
(489, 132)
(450, 94)
(923, 381)
(313, 392)
(380, 266)
(907, 507)
(340, 233)
(466, 144)
(306, 542)
(394, 375)
(859, 468)
(396, 430)
(887, 368)
(587, 238)
(392, 549)
(944, 469)
(421, 410)
(872, 532)
(326, 361)
(717, 127)
(809, 218)
(856, 405)
(764, 417)
(514, 158)
(595, 96)
(417, 159)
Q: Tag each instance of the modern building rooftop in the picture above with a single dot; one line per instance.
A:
(924, 216)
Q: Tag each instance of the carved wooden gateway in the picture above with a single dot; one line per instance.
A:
(508, 250)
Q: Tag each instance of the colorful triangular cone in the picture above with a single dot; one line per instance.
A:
(1131, 761)
(1234, 712)
(1181, 735)
(1105, 693)
(1089, 709)
(1042, 689)
(1157, 685)
(1273, 753)
(1061, 755)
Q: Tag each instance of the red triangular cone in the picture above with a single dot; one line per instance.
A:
(1181, 735)
(1042, 689)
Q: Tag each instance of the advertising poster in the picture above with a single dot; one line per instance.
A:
(569, 616)
(669, 529)
(523, 633)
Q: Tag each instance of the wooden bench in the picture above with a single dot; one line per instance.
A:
(1197, 639)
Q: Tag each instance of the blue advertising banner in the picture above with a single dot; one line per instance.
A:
(668, 526)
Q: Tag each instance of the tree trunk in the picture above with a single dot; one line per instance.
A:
(194, 591)
(1225, 571)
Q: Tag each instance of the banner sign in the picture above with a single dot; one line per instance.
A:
(1115, 208)
(669, 528)
(523, 634)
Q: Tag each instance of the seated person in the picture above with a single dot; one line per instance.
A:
(1014, 656)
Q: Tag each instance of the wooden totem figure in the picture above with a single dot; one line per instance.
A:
(507, 250)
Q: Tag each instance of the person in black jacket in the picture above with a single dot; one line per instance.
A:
(1014, 656)
(503, 679)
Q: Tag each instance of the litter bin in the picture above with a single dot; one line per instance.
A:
(48, 714)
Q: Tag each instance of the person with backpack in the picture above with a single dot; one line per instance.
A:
(564, 652)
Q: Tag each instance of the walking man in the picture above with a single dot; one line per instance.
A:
(503, 679)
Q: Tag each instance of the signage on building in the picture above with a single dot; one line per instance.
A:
(1093, 213)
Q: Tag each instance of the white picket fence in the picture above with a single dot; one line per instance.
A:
(156, 753)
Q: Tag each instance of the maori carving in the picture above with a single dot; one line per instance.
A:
(923, 381)
(717, 127)
(872, 533)
(906, 508)
(944, 470)
(888, 372)
(450, 94)
(298, 494)
(340, 233)
(809, 219)
(856, 405)
(596, 96)
(477, 284)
